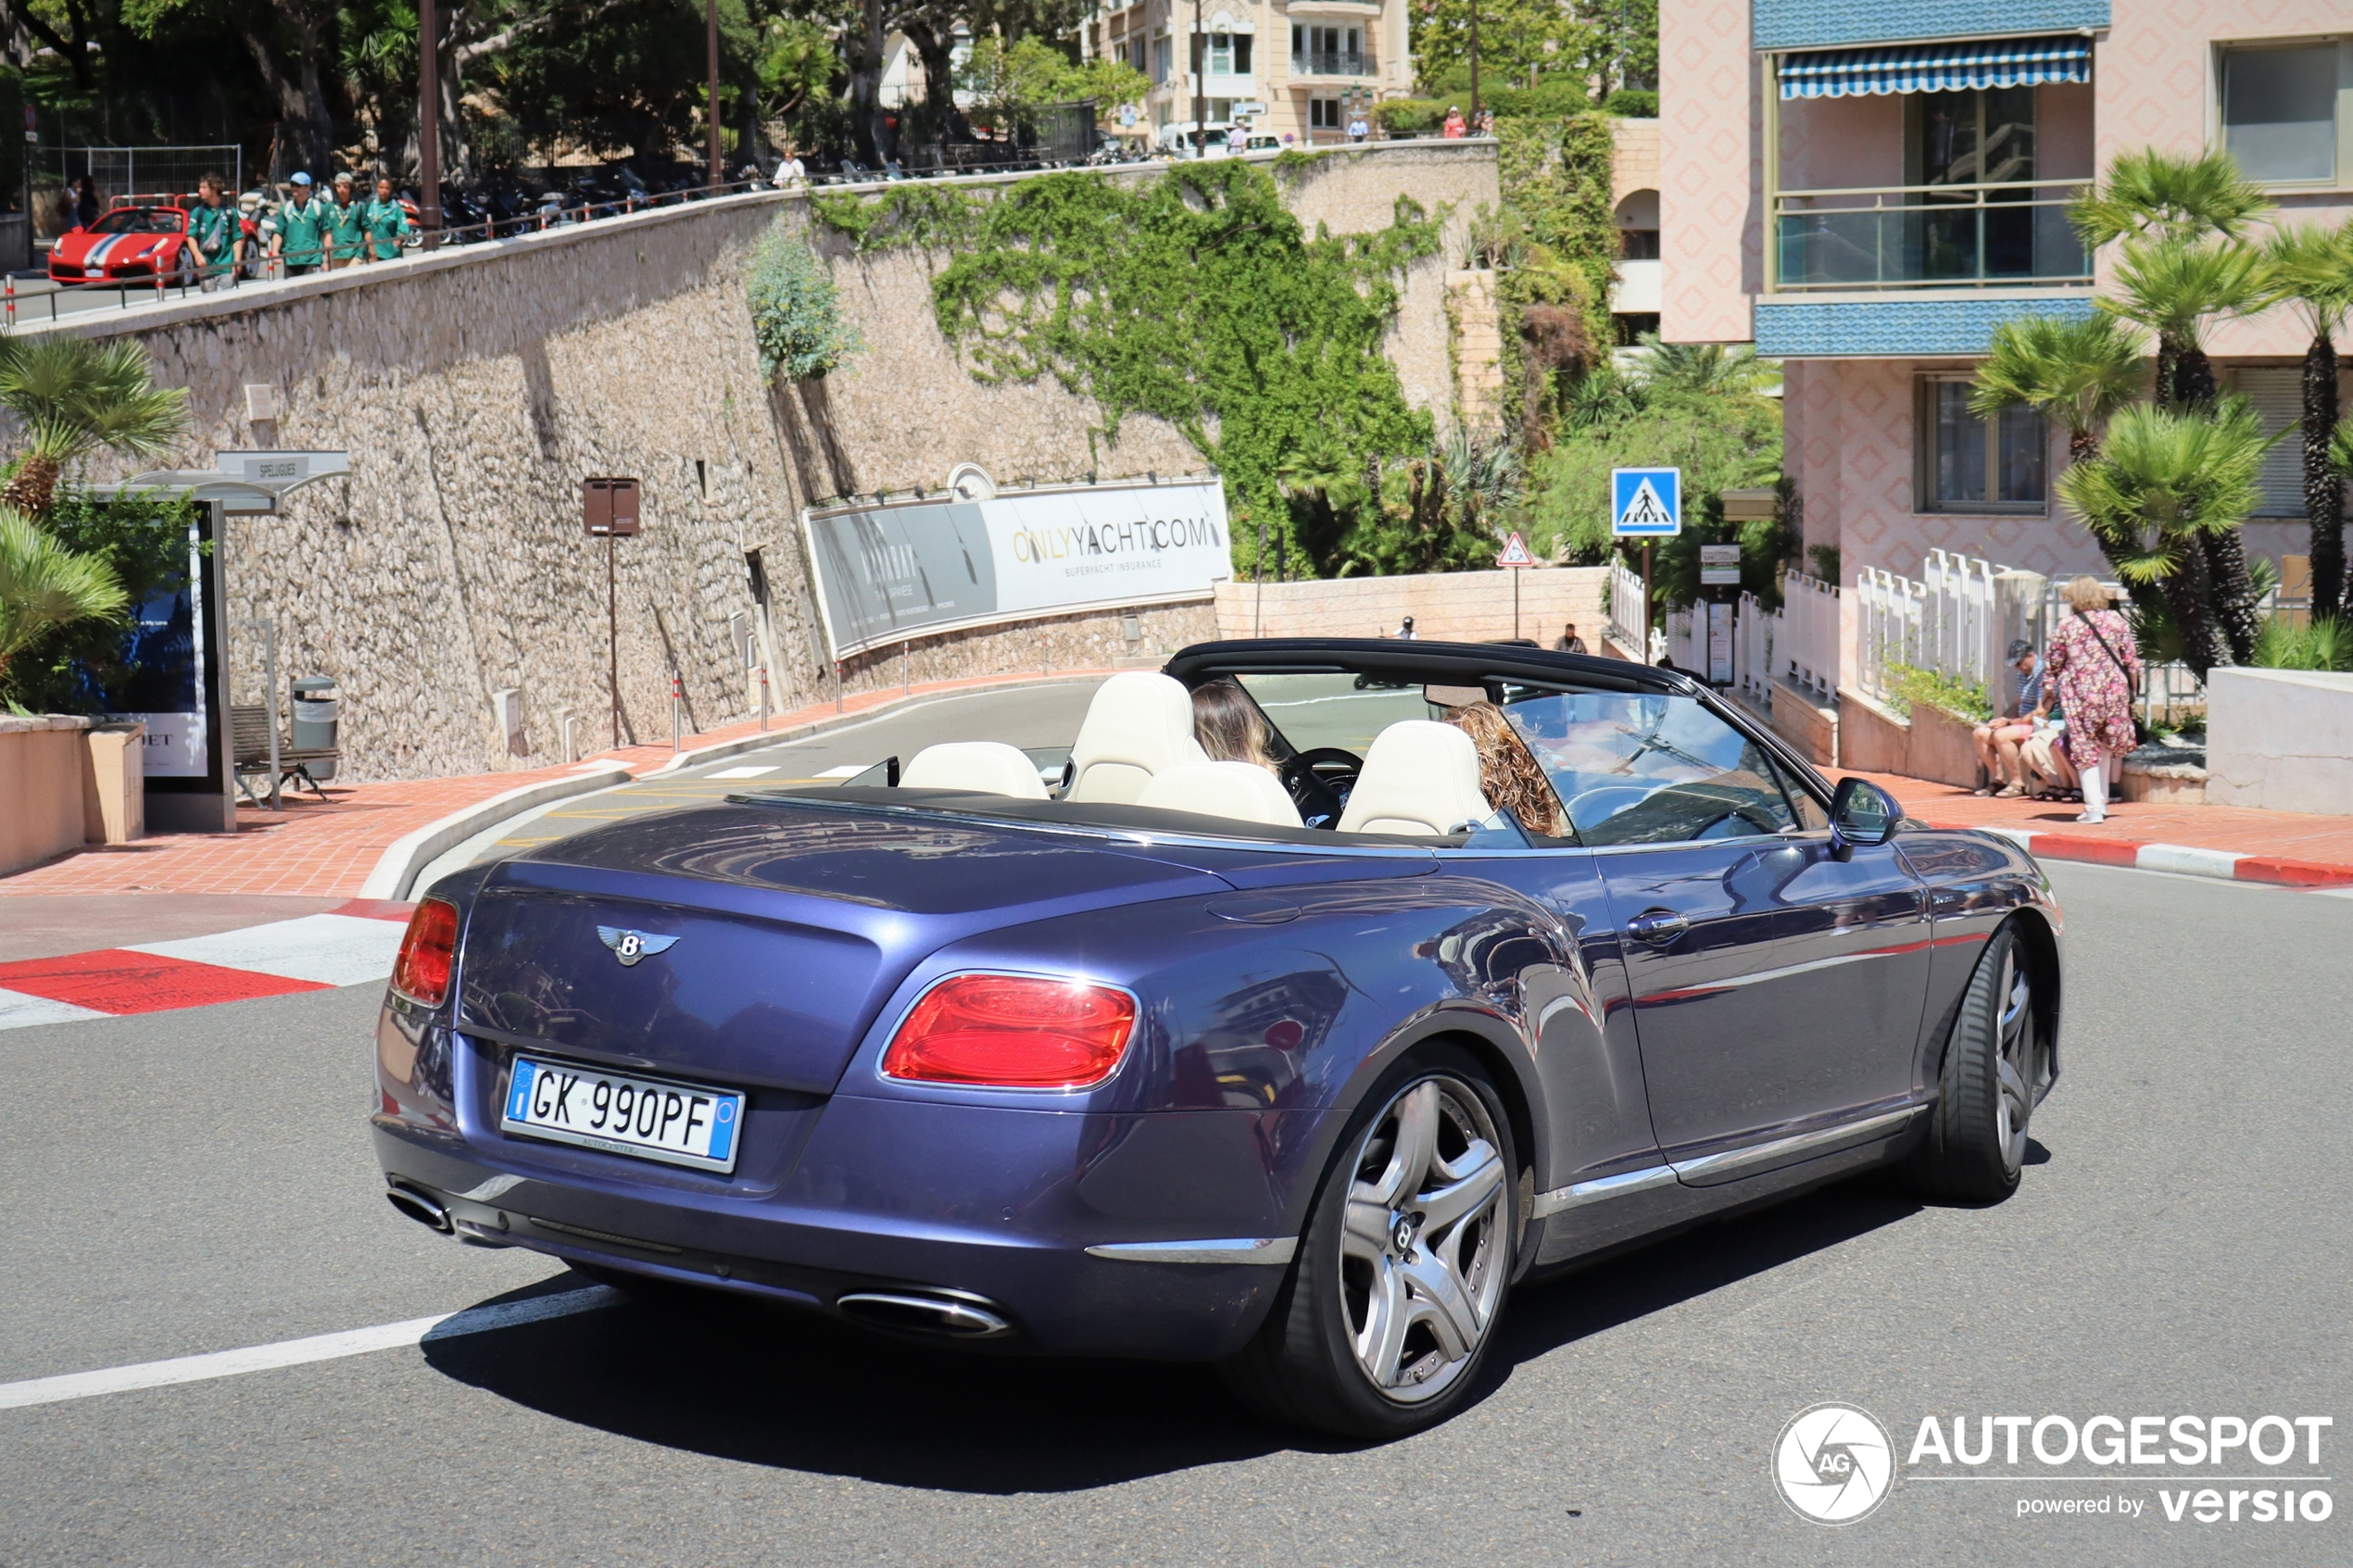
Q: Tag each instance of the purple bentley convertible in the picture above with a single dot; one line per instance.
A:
(1490, 960)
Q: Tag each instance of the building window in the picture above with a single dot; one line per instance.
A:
(2280, 110)
(1968, 464)
(1242, 53)
(1638, 244)
(1161, 61)
(1323, 114)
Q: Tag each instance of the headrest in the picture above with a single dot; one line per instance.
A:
(982, 767)
(1419, 777)
(1140, 723)
(1243, 791)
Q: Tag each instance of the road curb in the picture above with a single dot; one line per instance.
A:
(2182, 860)
(413, 851)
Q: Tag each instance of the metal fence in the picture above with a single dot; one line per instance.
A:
(1629, 616)
(1805, 643)
(1948, 620)
(124, 171)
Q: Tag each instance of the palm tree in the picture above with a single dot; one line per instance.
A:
(2172, 287)
(2313, 266)
(1706, 369)
(44, 585)
(75, 396)
(2167, 483)
(2162, 195)
(2079, 371)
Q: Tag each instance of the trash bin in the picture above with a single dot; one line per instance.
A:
(314, 721)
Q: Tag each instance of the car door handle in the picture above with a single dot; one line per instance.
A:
(1659, 926)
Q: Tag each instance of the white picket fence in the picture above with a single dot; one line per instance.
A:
(1806, 642)
(1628, 615)
(1946, 621)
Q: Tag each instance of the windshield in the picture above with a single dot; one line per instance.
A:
(138, 220)
(1650, 767)
(1347, 711)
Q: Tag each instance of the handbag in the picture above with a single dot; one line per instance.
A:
(2141, 735)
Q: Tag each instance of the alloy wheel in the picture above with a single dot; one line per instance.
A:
(2015, 1060)
(1423, 1257)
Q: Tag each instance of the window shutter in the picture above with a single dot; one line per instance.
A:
(2277, 393)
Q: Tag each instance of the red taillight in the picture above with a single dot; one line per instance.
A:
(421, 972)
(1011, 1032)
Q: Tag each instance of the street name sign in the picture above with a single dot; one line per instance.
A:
(1646, 503)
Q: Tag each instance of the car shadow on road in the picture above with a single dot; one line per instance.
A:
(740, 1381)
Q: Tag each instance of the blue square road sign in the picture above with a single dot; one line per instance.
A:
(1646, 503)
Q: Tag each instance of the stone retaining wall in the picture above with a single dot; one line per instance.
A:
(476, 388)
(1456, 607)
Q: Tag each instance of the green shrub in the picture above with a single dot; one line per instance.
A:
(1410, 117)
(1965, 700)
(2324, 644)
(142, 542)
(796, 316)
(1633, 102)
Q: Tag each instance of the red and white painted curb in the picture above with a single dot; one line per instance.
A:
(2183, 860)
(353, 945)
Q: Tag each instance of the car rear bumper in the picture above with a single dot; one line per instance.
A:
(900, 1199)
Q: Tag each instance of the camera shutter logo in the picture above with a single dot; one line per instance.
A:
(1835, 1463)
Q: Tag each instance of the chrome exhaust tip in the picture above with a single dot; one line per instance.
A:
(427, 1211)
(953, 1316)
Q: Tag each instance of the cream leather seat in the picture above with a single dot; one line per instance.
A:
(1419, 777)
(1140, 723)
(1241, 790)
(980, 767)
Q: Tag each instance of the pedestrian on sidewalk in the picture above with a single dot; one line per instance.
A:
(2092, 665)
(386, 223)
(347, 224)
(213, 232)
(303, 225)
(1570, 642)
(1406, 632)
(1998, 738)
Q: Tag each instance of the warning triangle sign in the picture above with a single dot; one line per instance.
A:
(1516, 552)
(1646, 513)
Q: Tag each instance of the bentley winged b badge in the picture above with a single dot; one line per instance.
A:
(631, 946)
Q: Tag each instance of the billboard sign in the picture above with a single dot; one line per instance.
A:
(897, 569)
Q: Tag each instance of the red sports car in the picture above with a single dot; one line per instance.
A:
(129, 242)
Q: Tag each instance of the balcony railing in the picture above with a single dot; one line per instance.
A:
(1333, 62)
(1928, 236)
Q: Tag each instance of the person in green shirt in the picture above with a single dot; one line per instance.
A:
(215, 234)
(304, 224)
(387, 222)
(347, 223)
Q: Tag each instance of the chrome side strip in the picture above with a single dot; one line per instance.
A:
(1784, 1148)
(1240, 1249)
(1602, 1187)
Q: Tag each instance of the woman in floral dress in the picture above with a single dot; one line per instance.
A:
(2093, 666)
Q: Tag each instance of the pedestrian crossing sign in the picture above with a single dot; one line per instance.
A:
(1646, 503)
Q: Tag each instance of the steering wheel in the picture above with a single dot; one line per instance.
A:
(1319, 781)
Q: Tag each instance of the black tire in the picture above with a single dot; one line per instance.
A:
(1303, 1368)
(1996, 1069)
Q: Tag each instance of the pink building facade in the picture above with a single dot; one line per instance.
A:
(1863, 188)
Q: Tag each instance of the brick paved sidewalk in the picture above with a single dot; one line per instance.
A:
(322, 849)
(2287, 846)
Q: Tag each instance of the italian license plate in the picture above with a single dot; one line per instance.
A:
(690, 1124)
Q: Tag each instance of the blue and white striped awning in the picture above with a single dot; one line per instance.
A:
(1935, 68)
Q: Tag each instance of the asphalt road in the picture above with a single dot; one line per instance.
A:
(199, 1181)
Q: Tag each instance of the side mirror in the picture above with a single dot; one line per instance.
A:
(1862, 813)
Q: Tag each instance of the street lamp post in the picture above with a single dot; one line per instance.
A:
(429, 118)
(1201, 85)
(710, 43)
